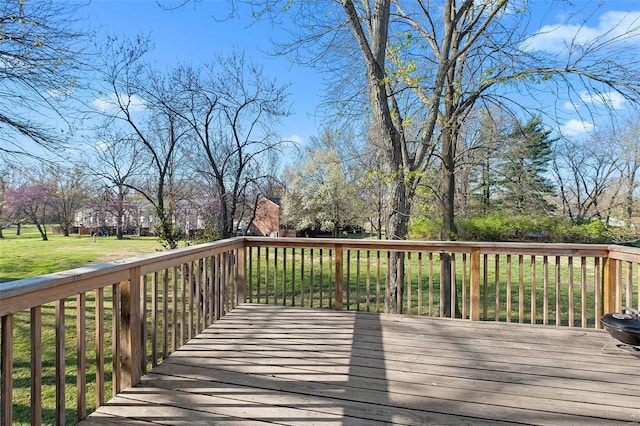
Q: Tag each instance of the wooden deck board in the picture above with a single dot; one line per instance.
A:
(264, 364)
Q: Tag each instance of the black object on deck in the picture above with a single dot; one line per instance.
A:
(624, 326)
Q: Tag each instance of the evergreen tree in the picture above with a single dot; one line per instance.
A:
(485, 158)
(524, 188)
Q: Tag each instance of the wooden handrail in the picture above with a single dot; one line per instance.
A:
(157, 302)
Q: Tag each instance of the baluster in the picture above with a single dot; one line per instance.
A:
(570, 293)
(357, 280)
(302, 280)
(583, 290)
(509, 301)
(99, 340)
(464, 285)
(36, 365)
(520, 289)
(165, 312)
(485, 286)
(81, 352)
(533, 290)
(60, 362)
(6, 371)
(378, 268)
(496, 262)
(348, 283)
(409, 279)
(431, 313)
(293, 277)
(154, 319)
(598, 290)
(368, 284)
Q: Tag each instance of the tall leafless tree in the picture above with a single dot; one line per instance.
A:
(449, 56)
(116, 164)
(136, 98)
(70, 192)
(41, 51)
(230, 108)
(586, 178)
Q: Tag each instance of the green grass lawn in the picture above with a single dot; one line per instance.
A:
(27, 255)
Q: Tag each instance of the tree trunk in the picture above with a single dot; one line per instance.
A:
(43, 231)
(449, 232)
(120, 213)
(398, 209)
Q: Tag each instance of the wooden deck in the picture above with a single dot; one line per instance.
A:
(277, 365)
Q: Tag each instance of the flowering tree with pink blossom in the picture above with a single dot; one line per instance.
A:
(30, 202)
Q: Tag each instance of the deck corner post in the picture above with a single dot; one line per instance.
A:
(131, 334)
(474, 291)
(610, 281)
(241, 279)
(339, 278)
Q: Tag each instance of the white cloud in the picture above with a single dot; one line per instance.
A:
(296, 139)
(621, 26)
(109, 103)
(612, 99)
(576, 128)
(100, 145)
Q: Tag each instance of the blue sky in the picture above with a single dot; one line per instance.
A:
(615, 18)
(195, 33)
(192, 34)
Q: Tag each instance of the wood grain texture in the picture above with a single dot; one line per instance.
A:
(271, 364)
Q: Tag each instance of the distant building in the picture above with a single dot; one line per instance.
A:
(267, 220)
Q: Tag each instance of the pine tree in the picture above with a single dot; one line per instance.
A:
(523, 184)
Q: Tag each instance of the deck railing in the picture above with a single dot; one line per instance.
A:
(107, 324)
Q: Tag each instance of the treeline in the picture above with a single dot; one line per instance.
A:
(515, 182)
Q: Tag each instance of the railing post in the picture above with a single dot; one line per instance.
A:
(241, 280)
(131, 336)
(339, 278)
(610, 286)
(474, 291)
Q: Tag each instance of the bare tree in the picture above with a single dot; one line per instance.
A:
(426, 65)
(137, 101)
(40, 61)
(626, 140)
(586, 177)
(69, 193)
(116, 165)
(230, 108)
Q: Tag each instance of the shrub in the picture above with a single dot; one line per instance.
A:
(502, 227)
(424, 228)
